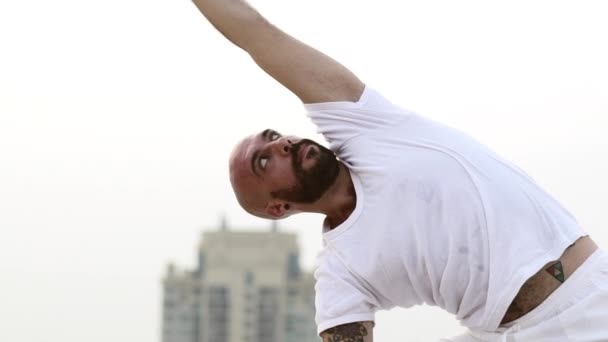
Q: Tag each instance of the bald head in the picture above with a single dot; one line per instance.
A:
(246, 187)
(270, 173)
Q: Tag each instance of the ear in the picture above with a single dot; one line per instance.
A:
(277, 208)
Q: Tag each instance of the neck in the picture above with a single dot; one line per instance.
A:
(340, 200)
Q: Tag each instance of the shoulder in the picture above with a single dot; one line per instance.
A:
(340, 121)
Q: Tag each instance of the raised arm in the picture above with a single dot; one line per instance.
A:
(352, 332)
(309, 74)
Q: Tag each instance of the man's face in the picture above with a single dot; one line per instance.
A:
(312, 182)
(270, 166)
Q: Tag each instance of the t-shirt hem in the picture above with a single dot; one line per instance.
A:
(344, 320)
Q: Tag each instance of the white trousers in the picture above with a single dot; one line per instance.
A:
(575, 311)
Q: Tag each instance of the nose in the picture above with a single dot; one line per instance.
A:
(282, 145)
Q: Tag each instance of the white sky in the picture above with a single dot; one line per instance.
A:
(117, 117)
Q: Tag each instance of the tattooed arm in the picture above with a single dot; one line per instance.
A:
(351, 332)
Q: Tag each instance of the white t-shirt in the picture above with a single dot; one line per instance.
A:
(439, 219)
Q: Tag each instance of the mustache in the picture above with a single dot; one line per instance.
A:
(295, 148)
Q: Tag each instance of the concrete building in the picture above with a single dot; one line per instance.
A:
(247, 287)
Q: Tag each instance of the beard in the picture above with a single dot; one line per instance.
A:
(313, 183)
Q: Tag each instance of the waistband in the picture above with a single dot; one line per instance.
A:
(593, 273)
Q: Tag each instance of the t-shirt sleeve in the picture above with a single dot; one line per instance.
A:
(339, 297)
(342, 120)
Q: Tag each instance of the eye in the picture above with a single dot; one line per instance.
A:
(274, 136)
(263, 162)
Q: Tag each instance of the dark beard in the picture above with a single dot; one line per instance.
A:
(313, 183)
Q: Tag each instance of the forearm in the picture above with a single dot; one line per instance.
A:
(352, 332)
(235, 19)
(305, 71)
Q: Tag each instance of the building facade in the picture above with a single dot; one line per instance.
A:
(247, 287)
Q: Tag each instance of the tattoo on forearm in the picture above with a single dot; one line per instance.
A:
(353, 332)
(557, 271)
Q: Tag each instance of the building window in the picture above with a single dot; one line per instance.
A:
(202, 264)
(249, 278)
(219, 310)
(293, 266)
(268, 314)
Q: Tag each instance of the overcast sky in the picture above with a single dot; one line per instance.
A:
(117, 117)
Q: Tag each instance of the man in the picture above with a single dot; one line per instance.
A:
(416, 212)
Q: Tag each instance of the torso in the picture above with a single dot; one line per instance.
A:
(435, 219)
(540, 286)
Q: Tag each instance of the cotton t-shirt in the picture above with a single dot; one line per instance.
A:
(439, 219)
